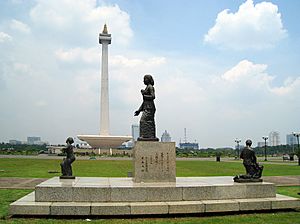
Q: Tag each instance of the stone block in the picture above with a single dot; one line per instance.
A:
(221, 205)
(260, 190)
(154, 162)
(29, 197)
(254, 204)
(70, 208)
(110, 209)
(284, 202)
(197, 193)
(53, 194)
(128, 194)
(27, 206)
(164, 194)
(184, 207)
(230, 191)
(147, 208)
(91, 194)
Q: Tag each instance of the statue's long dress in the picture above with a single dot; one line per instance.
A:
(66, 165)
(147, 123)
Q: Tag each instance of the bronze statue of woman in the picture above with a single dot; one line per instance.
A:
(147, 122)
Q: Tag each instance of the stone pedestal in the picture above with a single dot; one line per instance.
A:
(94, 196)
(154, 162)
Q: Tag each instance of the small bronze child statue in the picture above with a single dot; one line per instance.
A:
(66, 165)
(253, 169)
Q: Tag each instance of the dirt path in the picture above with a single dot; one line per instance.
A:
(20, 183)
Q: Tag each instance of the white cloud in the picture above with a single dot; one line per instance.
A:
(17, 1)
(255, 76)
(41, 103)
(82, 18)
(289, 88)
(251, 27)
(193, 91)
(93, 55)
(248, 73)
(19, 26)
(21, 67)
(86, 84)
(127, 74)
(4, 37)
(87, 55)
(120, 60)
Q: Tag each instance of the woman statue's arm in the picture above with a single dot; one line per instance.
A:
(151, 93)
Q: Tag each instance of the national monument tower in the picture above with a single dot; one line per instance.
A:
(104, 140)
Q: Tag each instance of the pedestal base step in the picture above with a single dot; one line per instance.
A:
(28, 206)
(100, 189)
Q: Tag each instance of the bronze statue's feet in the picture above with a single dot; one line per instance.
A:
(148, 139)
(67, 177)
(241, 179)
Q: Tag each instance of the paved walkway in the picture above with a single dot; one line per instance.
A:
(20, 183)
(30, 183)
(283, 180)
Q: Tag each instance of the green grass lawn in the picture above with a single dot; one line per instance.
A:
(118, 168)
(8, 196)
(291, 191)
(84, 168)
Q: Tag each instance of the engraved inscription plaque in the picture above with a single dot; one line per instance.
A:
(154, 162)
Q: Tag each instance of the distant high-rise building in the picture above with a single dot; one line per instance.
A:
(166, 137)
(129, 144)
(261, 144)
(189, 145)
(15, 142)
(33, 140)
(135, 131)
(274, 138)
(291, 139)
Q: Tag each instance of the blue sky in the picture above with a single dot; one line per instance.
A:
(222, 69)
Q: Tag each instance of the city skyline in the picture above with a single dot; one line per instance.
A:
(165, 137)
(226, 69)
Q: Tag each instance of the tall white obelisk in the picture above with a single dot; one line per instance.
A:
(105, 40)
(104, 139)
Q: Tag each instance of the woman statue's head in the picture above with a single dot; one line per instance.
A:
(148, 80)
(248, 142)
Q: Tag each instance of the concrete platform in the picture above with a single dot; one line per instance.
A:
(96, 189)
(121, 196)
(30, 183)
